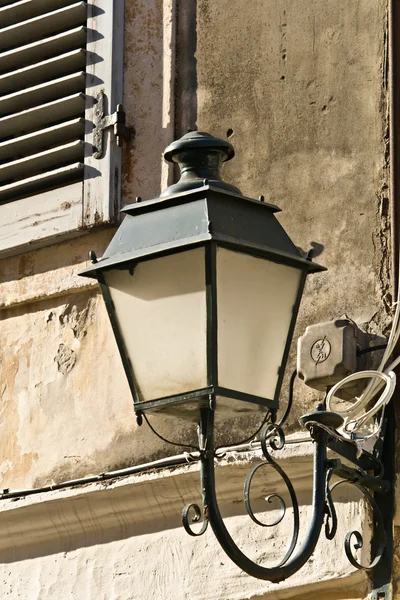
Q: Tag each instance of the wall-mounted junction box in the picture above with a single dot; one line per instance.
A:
(327, 353)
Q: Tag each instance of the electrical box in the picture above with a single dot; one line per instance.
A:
(327, 353)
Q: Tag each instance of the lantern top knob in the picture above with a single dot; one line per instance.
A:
(198, 140)
(199, 156)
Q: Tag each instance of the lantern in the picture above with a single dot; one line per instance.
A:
(202, 286)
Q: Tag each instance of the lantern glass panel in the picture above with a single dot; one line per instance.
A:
(161, 310)
(255, 301)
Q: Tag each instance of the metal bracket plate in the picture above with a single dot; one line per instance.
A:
(102, 122)
(382, 593)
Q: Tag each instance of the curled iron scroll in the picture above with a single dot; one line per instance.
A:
(274, 436)
(356, 537)
(331, 517)
(188, 520)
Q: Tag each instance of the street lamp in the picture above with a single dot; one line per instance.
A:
(202, 286)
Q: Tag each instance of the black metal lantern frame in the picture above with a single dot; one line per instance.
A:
(211, 218)
(202, 211)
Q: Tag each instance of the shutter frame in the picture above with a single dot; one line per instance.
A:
(102, 195)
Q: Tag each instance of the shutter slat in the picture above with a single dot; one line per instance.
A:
(43, 71)
(43, 49)
(42, 100)
(37, 117)
(44, 138)
(44, 25)
(42, 93)
(48, 180)
(43, 161)
(26, 9)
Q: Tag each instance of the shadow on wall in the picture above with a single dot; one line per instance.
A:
(316, 248)
(148, 506)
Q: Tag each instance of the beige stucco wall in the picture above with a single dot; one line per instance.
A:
(302, 86)
(299, 88)
(125, 541)
(325, 167)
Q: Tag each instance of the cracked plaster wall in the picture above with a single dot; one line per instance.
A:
(299, 88)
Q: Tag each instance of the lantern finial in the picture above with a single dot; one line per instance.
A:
(199, 156)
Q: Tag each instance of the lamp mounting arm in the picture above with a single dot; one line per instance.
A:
(282, 571)
(321, 427)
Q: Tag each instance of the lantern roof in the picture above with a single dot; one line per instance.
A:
(200, 208)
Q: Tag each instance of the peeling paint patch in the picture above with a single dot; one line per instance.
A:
(65, 359)
(78, 316)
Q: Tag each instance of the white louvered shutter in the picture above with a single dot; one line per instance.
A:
(42, 94)
(55, 57)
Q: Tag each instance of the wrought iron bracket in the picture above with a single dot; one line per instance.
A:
(328, 474)
(354, 475)
(102, 122)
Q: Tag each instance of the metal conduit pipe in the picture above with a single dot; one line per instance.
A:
(162, 463)
(171, 461)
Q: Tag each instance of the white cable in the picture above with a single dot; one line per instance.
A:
(357, 416)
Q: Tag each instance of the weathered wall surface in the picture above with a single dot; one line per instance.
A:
(125, 541)
(66, 409)
(148, 95)
(299, 88)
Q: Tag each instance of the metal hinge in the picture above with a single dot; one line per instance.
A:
(102, 122)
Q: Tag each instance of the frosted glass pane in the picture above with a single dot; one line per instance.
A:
(255, 301)
(161, 310)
